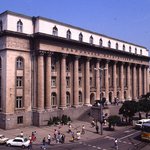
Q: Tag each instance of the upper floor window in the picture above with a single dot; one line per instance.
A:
(68, 34)
(67, 66)
(117, 47)
(123, 47)
(80, 37)
(130, 49)
(19, 26)
(140, 51)
(55, 31)
(68, 98)
(91, 39)
(1, 25)
(19, 63)
(53, 82)
(109, 44)
(19, 102)
(80, 82)
(53, 65)
(101, 42)
(67, 82)
(19, 82)
(135, 50)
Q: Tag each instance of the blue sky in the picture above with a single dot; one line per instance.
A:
(127, 20)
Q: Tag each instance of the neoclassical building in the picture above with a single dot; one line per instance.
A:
(49, 68)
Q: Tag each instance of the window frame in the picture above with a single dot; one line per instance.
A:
(55, 31)
(19, 26)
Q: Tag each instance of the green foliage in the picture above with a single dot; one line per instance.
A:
(113, 120)
(50, 122)
(64, 119)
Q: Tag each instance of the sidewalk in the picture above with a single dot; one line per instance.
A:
(41, 132)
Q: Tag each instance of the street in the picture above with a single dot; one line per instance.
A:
(128, 139)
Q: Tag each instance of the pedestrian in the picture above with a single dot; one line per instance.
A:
(33, 136)
(93, 123)
(69, 126)
(83, 129)
(43, 144)
(116, 144)
(63, 138)
(97, 129)
(21, 134)
(49, 139)
(30, 144)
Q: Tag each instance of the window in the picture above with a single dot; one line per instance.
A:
(19, 102)
(123, 47)
(67, 98)
(91, 40)
(1, 25)
(90, 81)
(53, 82)
(67, 67)
(53, 99)
(80, 82)
(55, 31)
(135, 50)
(68, 34)
(68, 82)
(109, 44)
(140, 51)
(20, 120)
(101, 42)
(19, 82)
(117, 46)
(19, 26)
(80, 37)
(80, 97)
(80, 67)
(19, 63)
(130, 49)
(53, 65)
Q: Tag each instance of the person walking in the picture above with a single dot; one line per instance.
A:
(49, 139)
(116, 144)
(97, 129)
(83, 129)
(43, 144)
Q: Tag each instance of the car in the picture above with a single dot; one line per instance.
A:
(18, 141)
(139, 123)
(3, 139)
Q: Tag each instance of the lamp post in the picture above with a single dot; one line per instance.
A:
(100, 105)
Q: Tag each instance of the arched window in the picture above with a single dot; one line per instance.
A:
(68, 98)
(55, 31)
(19, 63)
(91, 40)
(1, 25)
(100, 42)
(117, 46)
(68, 36)
(109, 44)
(140, 51)
(53, 99)
(135, 50)
(80, 37)
(130, 49)
(80, 97)
(19, 26)
(123, 47)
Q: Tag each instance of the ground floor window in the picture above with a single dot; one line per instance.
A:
(53, 99)
(20, 120)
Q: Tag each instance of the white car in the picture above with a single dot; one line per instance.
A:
(3, 139)
(140, 123)
(18, 141)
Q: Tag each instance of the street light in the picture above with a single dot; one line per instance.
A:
(100, 105)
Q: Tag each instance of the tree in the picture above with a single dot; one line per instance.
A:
(113, 120)
(128, 110)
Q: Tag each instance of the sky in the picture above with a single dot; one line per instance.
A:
(127, 20)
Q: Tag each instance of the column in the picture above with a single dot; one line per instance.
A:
(40, 82)
(144, 80)
(134, 82)
(122, 81)
(140, 81)
(147, 78)
(48, 81)
(114, 79)
(63, 82)
(98, 80)
(76, 81)
(106, 81)
(129, 82)
(87, 82)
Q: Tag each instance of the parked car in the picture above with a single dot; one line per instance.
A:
(3, 139)
(139, 123)
(18, 141)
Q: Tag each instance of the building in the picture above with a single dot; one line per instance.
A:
(49, 68)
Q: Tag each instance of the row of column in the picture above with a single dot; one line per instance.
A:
(40, 81)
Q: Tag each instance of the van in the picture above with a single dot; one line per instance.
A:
(139, 123)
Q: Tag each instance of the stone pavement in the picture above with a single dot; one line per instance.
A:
(41, 132)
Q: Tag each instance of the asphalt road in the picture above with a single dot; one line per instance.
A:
(127, 140)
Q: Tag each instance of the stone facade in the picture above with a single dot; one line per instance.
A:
(45, 75)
